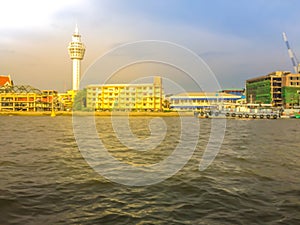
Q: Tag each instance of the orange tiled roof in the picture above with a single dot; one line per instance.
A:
(5, 80)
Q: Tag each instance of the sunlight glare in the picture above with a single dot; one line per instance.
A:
(16, 14)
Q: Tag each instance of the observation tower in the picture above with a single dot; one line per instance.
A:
(76, 51)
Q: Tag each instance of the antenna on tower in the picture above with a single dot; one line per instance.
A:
(76, 29)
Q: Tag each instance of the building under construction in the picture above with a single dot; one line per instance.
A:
(280, 88)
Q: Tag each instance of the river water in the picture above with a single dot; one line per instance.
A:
(254, 179)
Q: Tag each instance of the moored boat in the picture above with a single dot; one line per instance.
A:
(246, 111)
(297, 115)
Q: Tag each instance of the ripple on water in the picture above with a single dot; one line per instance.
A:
(254, 179)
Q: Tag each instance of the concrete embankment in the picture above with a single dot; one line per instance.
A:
(62, 113)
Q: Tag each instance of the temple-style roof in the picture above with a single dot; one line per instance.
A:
(5, 80)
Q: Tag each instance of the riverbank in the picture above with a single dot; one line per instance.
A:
(63, 113)
(107, 114)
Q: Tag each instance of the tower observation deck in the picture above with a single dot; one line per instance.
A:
(76, 52)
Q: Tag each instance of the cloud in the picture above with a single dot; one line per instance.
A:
(6, 51)
(31, 13)
(237, 39)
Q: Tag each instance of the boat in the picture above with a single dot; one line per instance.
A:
(246, 111)
(297, 115)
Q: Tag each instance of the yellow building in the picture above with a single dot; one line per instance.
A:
(66, 100)
(26, 98)
(92, 95)
(126, 97)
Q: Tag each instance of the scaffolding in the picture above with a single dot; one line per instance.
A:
(291, 96)
(259, 92)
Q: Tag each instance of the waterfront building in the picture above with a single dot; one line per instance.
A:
(234, 91)
(92, 95)
(76, 52)
(126, 97)
(66, 100)
(278, 88)
(26, 98)
(200, 100)
(291, 91)
(5, 80)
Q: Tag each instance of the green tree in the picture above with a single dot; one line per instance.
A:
(80, 101)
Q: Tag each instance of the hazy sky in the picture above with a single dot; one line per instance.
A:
(237, 39)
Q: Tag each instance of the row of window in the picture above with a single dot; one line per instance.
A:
(121, 93)
(127, 95)
(294, 83)
(294, 78)
(113, 89)
(127, 104)
(196, 101)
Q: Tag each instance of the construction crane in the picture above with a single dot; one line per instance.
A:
(295, 62)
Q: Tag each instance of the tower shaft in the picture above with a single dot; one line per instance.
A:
(76, 74)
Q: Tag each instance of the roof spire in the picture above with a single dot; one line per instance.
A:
(76, 29)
